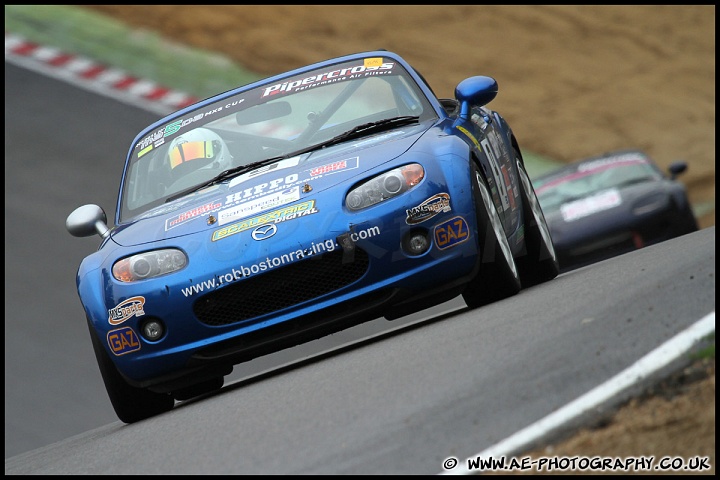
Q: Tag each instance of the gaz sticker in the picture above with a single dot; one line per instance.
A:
(123, 340)
(451, 232)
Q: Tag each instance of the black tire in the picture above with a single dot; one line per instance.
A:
(498, 276)
(539, 263)
(131, 404)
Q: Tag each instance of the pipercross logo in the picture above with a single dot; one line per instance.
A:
(370, 66)
(264, 232)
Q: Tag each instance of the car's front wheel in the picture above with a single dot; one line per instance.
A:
(131, 404)
(498, 276)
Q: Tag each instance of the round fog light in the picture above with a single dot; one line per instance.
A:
(416, 242)
(153, 330)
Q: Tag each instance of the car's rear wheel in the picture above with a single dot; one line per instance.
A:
(539, 264)
(498, 276)
(131, 404)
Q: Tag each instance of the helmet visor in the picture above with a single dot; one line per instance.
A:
(189, 151)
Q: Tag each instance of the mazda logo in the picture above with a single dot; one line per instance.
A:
(264, 231)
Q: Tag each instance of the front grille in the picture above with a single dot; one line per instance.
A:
(332, 319)
(280, 288)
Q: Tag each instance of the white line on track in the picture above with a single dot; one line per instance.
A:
(651, 363)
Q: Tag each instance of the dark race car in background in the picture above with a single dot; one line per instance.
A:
(296, 206)
(612, 204)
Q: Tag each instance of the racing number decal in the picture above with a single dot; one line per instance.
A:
(495, 167)
(451, 232)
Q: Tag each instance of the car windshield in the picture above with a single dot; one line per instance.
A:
(593, 177)
(272, 121)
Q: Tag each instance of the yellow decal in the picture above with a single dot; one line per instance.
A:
(145, 150)
(470, 136)
(372, 62)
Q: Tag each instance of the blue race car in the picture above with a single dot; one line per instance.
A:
(612, 204)
(297, 206)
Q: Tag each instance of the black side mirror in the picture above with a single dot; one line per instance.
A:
(676, 168)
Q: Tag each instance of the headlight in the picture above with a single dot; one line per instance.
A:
(149, 265)
(387, 185)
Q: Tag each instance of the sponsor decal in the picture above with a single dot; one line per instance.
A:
(498, 145)
(470, 136)
(495, 167)
(370, 66)
(626, 158)
(283, 164)
(587, 206)
(592, 168)
(334, 167)
(123, 340)
(145, 150)
(190, 214)
(329, 168)
(276, 216)
(158, 137)
(177, 205)
(428, 209)
(263, 188)
(284, 182)
(132, 307)
(242, 271)
(258, 205)
(264, 232)
(451, 232)
(479, 121)
(508, 183)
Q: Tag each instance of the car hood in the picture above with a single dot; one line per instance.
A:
(611, 209)
(268, 187)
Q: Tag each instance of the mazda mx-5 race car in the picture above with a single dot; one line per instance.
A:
(296, 206)
(611, 204)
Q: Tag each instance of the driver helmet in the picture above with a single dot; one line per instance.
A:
(196, 149)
